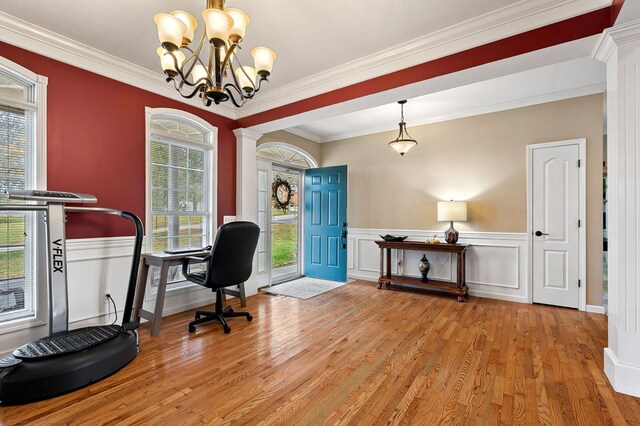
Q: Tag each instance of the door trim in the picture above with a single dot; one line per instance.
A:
(582, 214)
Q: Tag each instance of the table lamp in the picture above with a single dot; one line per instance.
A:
(452, 211)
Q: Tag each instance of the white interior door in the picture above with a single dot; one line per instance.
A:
(555, 224)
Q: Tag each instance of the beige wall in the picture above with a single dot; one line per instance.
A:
(480, 159)
(311, 147)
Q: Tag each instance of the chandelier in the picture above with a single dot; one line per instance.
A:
(403, 143)
(194, 74)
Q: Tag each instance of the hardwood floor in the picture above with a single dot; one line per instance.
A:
(359, 355)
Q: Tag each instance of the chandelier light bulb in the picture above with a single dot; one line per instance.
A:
(190, 22)
(170, 30)
(218, 24)
(240, 23)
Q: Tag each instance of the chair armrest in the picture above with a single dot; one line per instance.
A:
(192, 260)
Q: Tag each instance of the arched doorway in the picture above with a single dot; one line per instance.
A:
(280, 191)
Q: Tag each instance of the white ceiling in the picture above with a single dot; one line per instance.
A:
(321, 46)
(563, 80)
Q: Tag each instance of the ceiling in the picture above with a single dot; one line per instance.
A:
(577, 77)
(321, 45)
(308, 36)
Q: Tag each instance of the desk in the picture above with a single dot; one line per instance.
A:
(458, 288)
(162, 261)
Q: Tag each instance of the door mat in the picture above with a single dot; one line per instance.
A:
(303, 288)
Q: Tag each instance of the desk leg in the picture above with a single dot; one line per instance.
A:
(141, 286)
(162, 289)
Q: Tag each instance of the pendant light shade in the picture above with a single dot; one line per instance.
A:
(404, 142)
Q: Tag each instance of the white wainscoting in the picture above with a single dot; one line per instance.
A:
(496, 262)
(98, 265)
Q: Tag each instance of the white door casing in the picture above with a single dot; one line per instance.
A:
(555, 183)
(264, 221)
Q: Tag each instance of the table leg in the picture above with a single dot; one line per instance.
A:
(388, 262)
(381, 266)
(162, 289)
(141, 286)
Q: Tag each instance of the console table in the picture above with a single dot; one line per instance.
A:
(459, 288)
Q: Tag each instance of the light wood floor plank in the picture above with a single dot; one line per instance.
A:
(358, 356)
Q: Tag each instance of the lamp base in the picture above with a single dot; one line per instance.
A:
(451, 235)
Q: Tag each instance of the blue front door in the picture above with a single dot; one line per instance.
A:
(325, 223)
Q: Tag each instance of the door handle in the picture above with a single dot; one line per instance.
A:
(540, 234)
(343, 239)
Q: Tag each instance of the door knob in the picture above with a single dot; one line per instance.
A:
(540, 233)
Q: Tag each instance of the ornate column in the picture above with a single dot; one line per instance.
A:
(247, 188)
(619, 48)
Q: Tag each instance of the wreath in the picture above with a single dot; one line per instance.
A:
(281, 194)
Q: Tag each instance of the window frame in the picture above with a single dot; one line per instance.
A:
(38, 85)
(211, 147)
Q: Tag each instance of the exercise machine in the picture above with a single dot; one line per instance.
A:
(67, 359)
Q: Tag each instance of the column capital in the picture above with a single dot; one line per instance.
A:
(614, 37)
(247, 134)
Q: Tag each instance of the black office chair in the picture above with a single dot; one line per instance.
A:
(229, 264)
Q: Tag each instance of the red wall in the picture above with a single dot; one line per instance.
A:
(96, 142)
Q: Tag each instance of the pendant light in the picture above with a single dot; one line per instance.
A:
(404, 142)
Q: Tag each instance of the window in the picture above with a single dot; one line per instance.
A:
(181, 182)
(22, 132)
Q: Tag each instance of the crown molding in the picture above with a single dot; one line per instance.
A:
(505, 22)
(25, 35)
(485, 109)
(304, 134)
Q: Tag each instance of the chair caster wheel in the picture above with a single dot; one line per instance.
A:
(460, 298)
(249, 318)
(227, 330)
(192, 329)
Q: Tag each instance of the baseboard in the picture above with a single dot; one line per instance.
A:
(595, 309)
(623, 378)
(507, 297)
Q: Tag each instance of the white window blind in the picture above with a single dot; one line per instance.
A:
(17, 230)
(179, 197)
(181, 183)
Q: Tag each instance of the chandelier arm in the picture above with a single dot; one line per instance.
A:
(227, 58)
(179, 86)
(195, 58)
(260, 83)
(246, 75)
(233, 98)
(184, 76)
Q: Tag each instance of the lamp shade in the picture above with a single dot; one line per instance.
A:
(452, 211)
(166, 59)
(189, 21)
(246, 77)
(240, 22)
(263, 58)
(218, 24)
(170, 30)
(199, 73)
